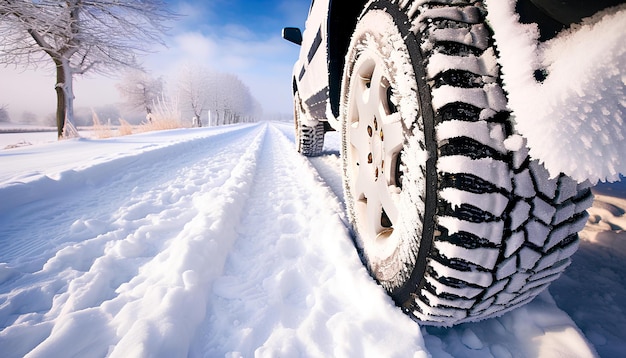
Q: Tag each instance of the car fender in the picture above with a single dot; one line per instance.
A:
(571, 117)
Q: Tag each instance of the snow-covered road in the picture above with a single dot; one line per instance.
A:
(220, 242)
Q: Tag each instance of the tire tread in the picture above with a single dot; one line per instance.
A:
(534, 238)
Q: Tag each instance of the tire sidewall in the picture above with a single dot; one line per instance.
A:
(401, 272)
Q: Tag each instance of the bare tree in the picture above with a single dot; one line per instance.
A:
(140, 90)
(78, 36)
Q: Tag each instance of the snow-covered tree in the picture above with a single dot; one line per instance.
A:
(230, 100)
(215, 97)
(193, 88)
(140, 90)
(78, 36)
(256, 111)
(4, 114)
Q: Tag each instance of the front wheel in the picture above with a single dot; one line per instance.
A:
(451, 216)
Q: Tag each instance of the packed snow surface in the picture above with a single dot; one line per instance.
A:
(224, 242)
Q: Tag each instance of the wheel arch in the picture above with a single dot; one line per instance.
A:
(342, 19)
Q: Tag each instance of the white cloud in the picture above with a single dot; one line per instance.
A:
(195, 45)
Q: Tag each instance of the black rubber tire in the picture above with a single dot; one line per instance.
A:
(478, 228)
(309, 140)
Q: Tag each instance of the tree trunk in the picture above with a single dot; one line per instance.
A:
(69, 100)
(65, 98)
(59, 88)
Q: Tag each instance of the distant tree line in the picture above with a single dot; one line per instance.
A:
(231, 101)
(204, 96)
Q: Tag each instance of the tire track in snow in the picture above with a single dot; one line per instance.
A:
(293, 284)
(180, 275)
(104, 188)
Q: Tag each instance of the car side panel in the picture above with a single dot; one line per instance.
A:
(568, 12)
(311, 72)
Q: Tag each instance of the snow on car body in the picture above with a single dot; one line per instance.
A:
(451, 215)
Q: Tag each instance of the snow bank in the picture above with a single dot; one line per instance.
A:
(30, 173)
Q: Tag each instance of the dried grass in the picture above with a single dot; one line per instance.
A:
(100, 130)
(125, 128)
(166, 115)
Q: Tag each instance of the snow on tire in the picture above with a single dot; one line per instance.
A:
(309, 139)
(451, 216)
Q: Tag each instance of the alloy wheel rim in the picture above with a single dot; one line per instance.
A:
(375, 137)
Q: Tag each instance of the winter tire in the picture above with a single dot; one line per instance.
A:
(451, 216)
(309, 139)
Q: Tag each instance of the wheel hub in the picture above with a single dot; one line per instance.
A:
(376, 158)
(376, 138)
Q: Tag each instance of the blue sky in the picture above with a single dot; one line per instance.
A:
(235, 36)
(265, 17)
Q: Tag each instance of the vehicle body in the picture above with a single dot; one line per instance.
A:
(464, 225)
(317, 72)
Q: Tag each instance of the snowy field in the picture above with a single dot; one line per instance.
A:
(13, 135)
(224, 242)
